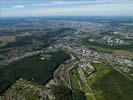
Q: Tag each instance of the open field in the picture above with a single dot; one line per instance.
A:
(109, 84)
(98, 48)
(31, 68)
(95, 46)
(122, 53)
(81, 90)
(107, 48)
(74, 79)
(76, 91)
(8, 38)
(87, 90)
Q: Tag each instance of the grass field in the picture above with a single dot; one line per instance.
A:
(31, 68)
(76, 91)
(122, 53)
(81, 90)
(107, 48)
(85, 88)
(109, 84)
(88, 92)
(8, 38)
(95, 46)
(74, 79)
(100, 49)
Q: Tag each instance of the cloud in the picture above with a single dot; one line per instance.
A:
(19, 6)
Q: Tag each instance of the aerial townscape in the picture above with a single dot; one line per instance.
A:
(66, 57)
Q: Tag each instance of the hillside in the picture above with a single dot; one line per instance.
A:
(31, 68)
(110, 84)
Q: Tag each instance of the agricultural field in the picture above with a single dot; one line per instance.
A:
(31, 68)
(8, 38)
(95, 46)
(122, 53)
(109, 48)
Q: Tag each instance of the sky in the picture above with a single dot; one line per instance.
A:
(23, 8)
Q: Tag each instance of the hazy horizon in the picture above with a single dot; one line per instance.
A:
(39, 8)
